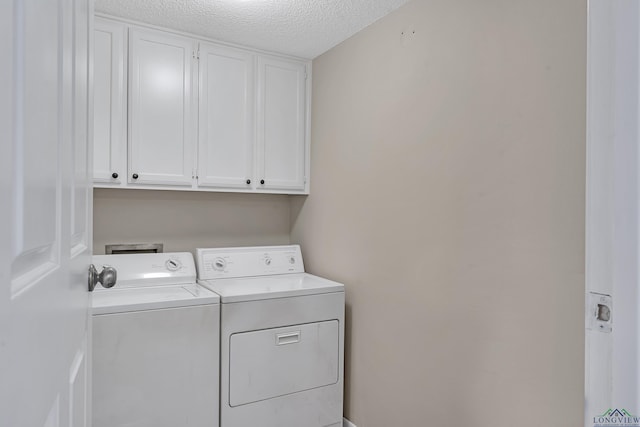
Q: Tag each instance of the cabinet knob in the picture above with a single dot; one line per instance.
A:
(114, 175)
(262, 181)
(135, 176)
(248, 181)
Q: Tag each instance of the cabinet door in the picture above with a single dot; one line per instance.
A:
(109, 122)
(161, 127)
(281, 124)
(226, 105)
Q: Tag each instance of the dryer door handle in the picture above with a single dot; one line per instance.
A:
(288, 338)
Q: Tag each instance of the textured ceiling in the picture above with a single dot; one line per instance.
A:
(304, 28)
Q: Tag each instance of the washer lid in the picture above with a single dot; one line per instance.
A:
(269, 287)
(151, 298)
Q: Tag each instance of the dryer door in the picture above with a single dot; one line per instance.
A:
(275, 362)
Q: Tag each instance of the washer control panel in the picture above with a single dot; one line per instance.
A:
(150, 269)
(218, 263)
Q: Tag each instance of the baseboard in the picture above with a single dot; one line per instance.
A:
(347, 423)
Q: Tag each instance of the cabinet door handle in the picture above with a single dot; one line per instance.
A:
(262, 181)
(135, 176)
(114, 175)
(248, 181)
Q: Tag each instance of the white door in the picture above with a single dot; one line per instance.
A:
(612, 380)
(281, 124)
(161, 120)
(226, 106)
(45, 212)
(110, 96)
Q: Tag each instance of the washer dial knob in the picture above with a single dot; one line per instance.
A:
(267, 260)
(292, 259)
(173, 264)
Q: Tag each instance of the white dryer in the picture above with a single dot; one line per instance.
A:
(155, 345)
(281, 341)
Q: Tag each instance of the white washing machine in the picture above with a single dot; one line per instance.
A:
(281, 340)
(155, 345)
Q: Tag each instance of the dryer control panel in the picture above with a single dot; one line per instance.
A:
(220, 263)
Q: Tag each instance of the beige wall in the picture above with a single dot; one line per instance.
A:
(447, 192)
(186, 220)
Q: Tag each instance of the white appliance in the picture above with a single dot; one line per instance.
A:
(281, 341)
(155, 345)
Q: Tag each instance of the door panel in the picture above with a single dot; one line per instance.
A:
(36, 190)
(78, 390)
(142, 375)
(80, 178)
(160, 111)
(281, 124)
(7, 120)
(45, 209)
(275, 362)
(225, 155)
(109, 76)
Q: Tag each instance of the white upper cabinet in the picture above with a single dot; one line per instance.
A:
(161, 126)
(109, 119)
(226, 112)
(176, 113)
(281, 148)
